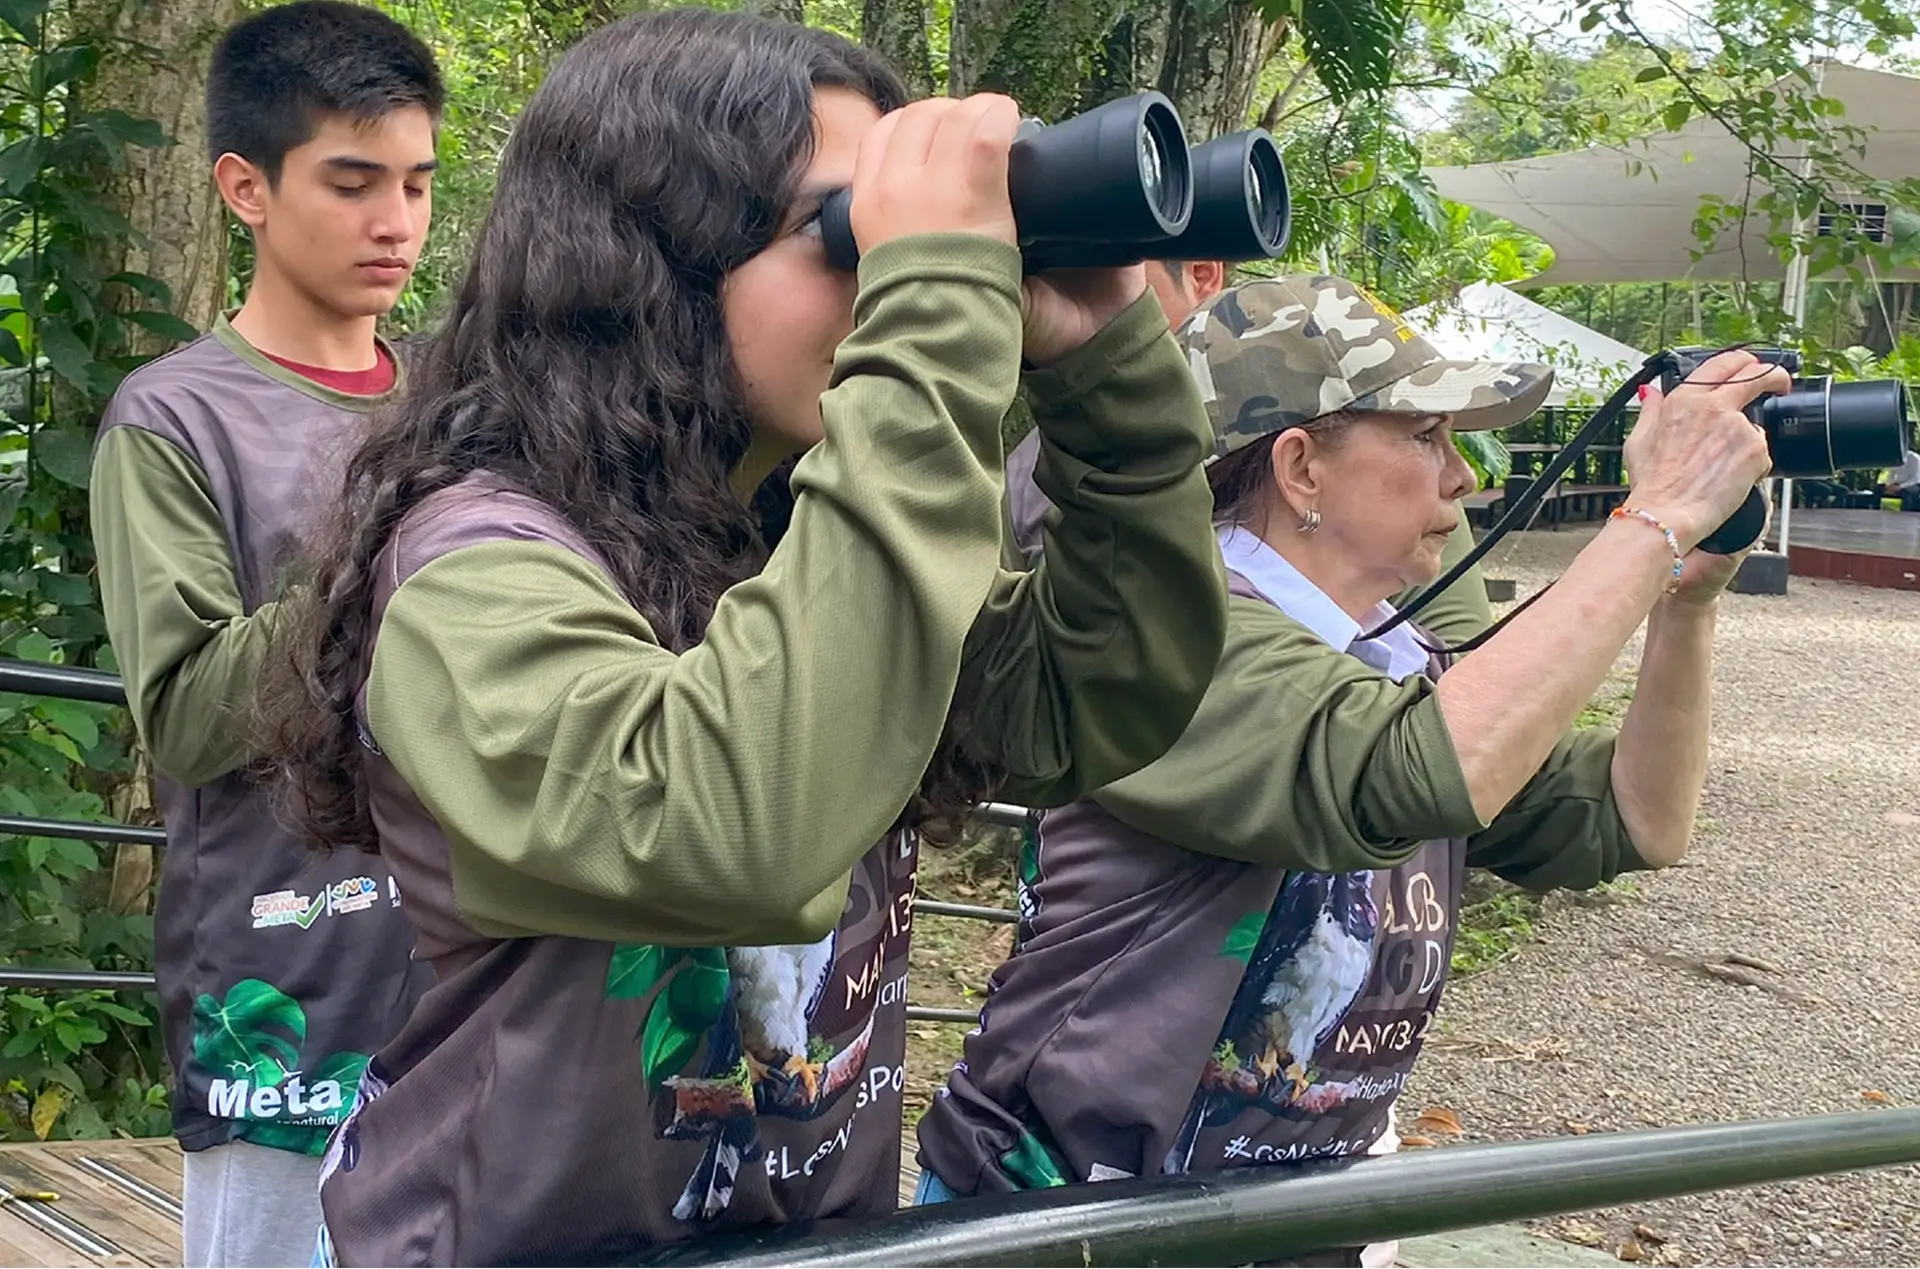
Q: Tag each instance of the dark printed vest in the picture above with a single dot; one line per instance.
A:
(561, 1101)
(1168, 1012)
(279, 970)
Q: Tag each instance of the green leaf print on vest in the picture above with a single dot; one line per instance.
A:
(250, 1045)
(246, 1037)
(309, 1139)
(1032, 1165)
(344, 1070)
(1244, 937)
(312, 1104)
(689, 1004)
(1026, 894)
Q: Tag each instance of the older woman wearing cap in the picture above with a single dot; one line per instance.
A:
(1232, 957)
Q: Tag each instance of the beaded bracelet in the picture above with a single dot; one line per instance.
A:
(1673, 543)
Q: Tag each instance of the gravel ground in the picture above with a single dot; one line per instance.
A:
(1807, 863)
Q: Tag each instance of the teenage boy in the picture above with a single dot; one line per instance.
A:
(279, 971)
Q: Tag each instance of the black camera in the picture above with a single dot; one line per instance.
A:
(1816, 429)
(1119, 184)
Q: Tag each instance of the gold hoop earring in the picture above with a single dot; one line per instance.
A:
(1310, 523)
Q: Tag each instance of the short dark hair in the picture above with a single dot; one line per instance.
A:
(277, 75)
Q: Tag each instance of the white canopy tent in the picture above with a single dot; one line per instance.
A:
(1626, 213)
(1488, 322)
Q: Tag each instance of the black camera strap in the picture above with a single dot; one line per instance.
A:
(1523, 507)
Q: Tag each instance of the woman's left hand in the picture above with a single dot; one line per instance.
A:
(1064, 308)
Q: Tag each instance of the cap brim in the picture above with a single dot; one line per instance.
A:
(1479, 395)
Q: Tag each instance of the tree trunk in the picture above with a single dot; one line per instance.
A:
(1212, 65)
(1039, 52)
(790, 10)
(155, 68)
(897, 30)
(976, 29)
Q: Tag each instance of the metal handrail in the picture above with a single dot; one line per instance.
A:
(1254, 1214)
(1236, 1217)
(37, 678)
(965, 911)
(83, 830)
(77, 979)
(1003, 815)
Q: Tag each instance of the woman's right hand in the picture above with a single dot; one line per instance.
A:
(936, 166)
(1694, 455)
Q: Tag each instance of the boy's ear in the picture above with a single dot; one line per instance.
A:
(243, 187)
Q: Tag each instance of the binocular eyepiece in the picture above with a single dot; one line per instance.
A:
(1816, 429)
(1119, 184)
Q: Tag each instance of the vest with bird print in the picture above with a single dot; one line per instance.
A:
(1167, 1012)
(555, 1100)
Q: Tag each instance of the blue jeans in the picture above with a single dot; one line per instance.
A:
(931, 1190)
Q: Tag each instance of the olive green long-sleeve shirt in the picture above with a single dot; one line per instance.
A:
(1354, 771)
(189, 642)
(190, 652)
(591, 783)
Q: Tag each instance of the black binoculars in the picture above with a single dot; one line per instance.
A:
(1816, 429)
(1119, 184)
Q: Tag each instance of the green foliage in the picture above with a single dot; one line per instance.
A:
(1351, 43)
(69, 1069)
(1487, 454)
(693, 999)
(1492, 929)
(71, 1064)
(1535, 93)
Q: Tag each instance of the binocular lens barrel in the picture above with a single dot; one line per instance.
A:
(1121, 169)
(1241, 208)
(1119, 184)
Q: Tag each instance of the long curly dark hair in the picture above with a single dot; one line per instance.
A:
(586, 362)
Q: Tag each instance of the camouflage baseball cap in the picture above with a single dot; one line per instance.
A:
(1274, 353)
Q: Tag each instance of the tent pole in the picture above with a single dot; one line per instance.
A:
(1794, 293)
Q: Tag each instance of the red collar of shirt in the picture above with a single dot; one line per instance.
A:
(371, 382)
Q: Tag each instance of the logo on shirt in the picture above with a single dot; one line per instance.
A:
(287, 907)
(290, 907)
(355, 894)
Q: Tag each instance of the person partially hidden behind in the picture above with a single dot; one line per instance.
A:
(1231, 957)
(1903, 482)
(279, 972)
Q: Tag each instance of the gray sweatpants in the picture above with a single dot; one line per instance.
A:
(248, 1205)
